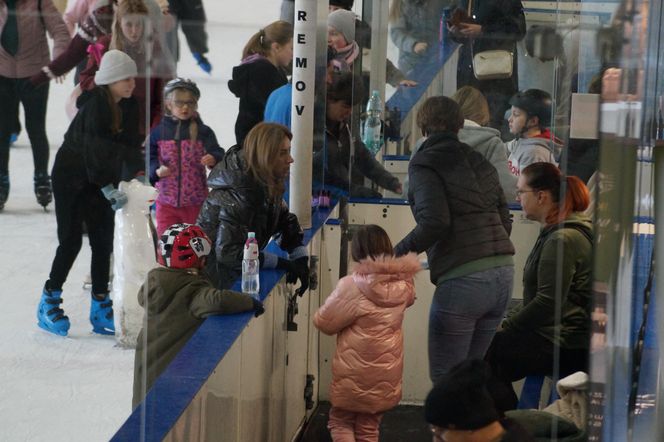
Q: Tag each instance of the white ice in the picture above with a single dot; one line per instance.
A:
(79, 388)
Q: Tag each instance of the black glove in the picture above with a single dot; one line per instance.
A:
(297, 269)
(258, 308)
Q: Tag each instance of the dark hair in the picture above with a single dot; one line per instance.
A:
(280, 32)
(547, 177)
(370, 241)
(116, 112)
(535, 103)
(261, 148)
(347, 88)
(439, 114)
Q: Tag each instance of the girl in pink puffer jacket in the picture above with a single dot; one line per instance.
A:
(366, 311)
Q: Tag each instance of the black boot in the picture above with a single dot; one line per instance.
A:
(4, 190)
(43, 190)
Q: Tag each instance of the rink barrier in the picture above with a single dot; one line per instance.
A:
(177, 386)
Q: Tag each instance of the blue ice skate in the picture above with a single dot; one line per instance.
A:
(101, 316)
(50, 316)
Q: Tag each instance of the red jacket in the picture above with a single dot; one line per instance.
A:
(366, 311)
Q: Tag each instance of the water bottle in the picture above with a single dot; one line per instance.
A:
(373, 138)
(250, 266)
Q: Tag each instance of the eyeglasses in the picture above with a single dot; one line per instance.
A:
(181, 103)
(521, 192)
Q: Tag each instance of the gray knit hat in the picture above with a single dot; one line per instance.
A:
(344, 22)
(115, 66)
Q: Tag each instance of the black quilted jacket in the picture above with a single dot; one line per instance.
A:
(459, 206)
(238, 204)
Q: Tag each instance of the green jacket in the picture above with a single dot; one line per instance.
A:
(561, 261)
(176, 301)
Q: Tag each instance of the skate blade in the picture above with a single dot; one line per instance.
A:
(103, 331)
(50, 330)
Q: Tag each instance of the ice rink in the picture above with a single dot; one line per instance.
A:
(79, 388)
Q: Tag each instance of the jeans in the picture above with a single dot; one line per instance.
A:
(465, 313)
(34, 100)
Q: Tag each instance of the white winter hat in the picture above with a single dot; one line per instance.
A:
(115, 66)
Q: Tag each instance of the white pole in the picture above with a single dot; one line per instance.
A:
(302, 115)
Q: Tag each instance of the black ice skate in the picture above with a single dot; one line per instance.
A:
(4, 190)
(43, 191)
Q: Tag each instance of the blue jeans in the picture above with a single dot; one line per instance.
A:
(465, 313)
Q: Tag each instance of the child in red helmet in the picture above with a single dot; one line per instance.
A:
(177, 298)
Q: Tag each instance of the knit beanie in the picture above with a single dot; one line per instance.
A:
(344, 22)
(460, 400)
(115, 66)
(345, 4)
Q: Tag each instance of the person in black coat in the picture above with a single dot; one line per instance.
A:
(101, 147)
(265, 59)
(493, 24)
(246, 195)
(332, 165)
(463, 224)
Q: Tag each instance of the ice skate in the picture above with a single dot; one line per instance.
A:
(43, 190)
(101, 315)
(4, 190)
(50, 316)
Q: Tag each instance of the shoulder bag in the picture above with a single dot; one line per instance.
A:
(493, 64)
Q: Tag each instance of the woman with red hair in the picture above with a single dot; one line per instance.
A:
(549, 333)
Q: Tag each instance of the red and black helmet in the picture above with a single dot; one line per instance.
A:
(183, 246)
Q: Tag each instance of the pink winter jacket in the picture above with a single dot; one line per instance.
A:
(33, 51)
(366, 311)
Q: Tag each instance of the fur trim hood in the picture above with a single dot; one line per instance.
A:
(383, 280)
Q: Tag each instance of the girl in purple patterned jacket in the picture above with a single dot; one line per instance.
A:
(181, 147)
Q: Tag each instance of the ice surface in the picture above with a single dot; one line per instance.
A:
(79, 388)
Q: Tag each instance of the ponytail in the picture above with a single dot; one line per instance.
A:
(260, 43)
(547, 177)
(577, 197)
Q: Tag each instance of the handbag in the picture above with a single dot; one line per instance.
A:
(493, 64)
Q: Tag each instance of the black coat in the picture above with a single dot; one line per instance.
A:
(252, 83)
(91, 153)
(332, 164)
(503, 24)
(238, 204)
(458, 204)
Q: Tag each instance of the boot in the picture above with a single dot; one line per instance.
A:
(4, 189)
(43, 190)
(50, 316)
(101, 314)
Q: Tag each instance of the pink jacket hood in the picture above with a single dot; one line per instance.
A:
(383, 280)
(366, 312)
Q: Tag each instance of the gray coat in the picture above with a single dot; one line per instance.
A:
(486, 141)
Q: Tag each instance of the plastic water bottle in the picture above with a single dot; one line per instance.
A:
(250, 266)
(373, 138)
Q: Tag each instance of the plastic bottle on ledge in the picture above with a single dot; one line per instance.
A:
(372, 133)
(250, 266)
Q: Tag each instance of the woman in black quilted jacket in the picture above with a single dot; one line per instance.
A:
(463, 224)
(246, 195)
